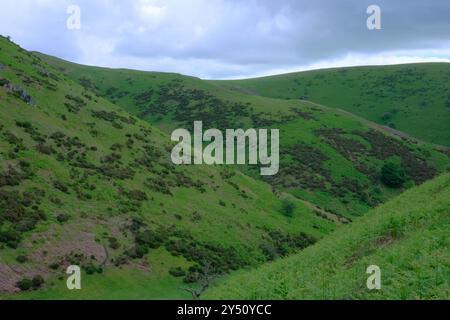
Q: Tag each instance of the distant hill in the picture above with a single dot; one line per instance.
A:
(413, 98)
(329, 157)
(407, 238)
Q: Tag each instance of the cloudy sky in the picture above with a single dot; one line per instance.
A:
(231, 38)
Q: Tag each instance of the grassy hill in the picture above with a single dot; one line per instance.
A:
(86, 178)
(413, 98)
(408, 238)
(84, 182)
(328, 157)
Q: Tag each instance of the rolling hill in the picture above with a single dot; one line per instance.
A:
(86, 178)
(407, 238)
(412, 98)
(328, 156)
(84, 182)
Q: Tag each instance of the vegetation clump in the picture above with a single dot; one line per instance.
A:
(27, 284)
(288, 207)
(393, 175)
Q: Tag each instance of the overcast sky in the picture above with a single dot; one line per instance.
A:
(231, 38)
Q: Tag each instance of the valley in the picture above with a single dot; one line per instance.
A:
(86, 178)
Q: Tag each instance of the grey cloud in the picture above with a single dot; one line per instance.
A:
(225, 38)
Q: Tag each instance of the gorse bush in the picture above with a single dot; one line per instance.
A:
(177, 272)
(21, 259)
(37, 281)
(24, 284)
(288, 207)
(393, 175)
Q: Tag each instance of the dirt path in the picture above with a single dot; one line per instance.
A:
(334, 217)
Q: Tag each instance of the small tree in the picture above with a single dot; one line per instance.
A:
(203, 280)
(393, 175)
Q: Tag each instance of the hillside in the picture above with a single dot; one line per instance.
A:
(329, 157)
(408, 238)
(84, 182)
(413, 98)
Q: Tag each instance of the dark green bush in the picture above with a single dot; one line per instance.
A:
(138, 252)
(24, 284)
(37, 281)
(177, 272)
(60, 186)
(288, 207)
(90, 269)
(63, 217)
(114, 243)
(393, 175)
(22, 259)
(3, 81)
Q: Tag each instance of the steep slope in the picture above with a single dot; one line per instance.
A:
(413, 98)
(328, 157)
(407, 238)
(83, 182)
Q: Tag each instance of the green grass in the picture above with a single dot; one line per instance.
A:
(413, 98)
(129, 283)
(114, 284)
(408, 238)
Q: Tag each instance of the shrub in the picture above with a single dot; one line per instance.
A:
(138, 252)
(137, 195)
(90, 269)
(11, 237)
(386, 116)
(269, 251)
(288, 207)
(21, 259)
(37, 281)
(393, 175)
(45, 149)
(114, 243)
(3, 82)
(152, 239)
(61, 186)
(62, 217)
(24, 284)
(177, 272)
